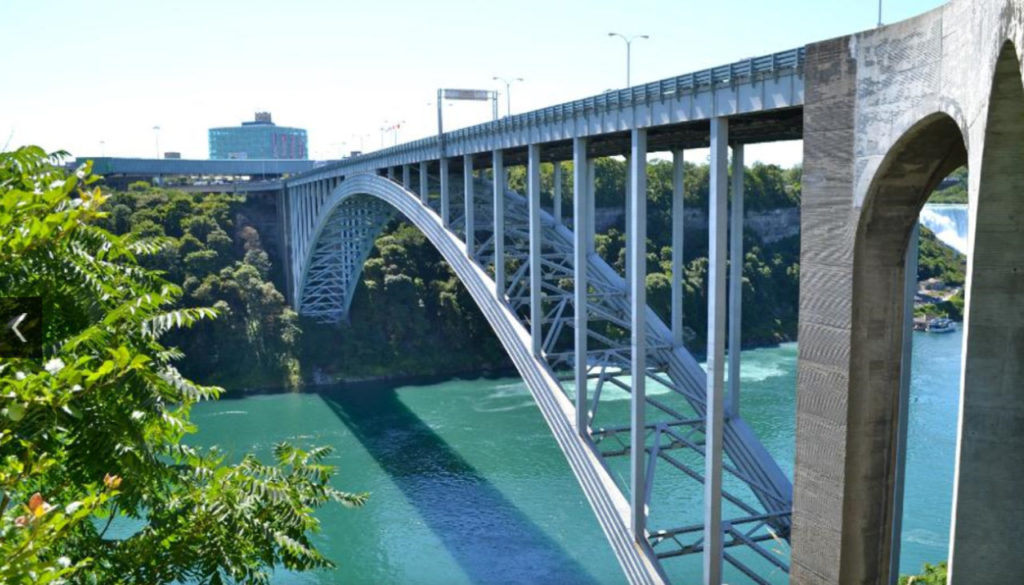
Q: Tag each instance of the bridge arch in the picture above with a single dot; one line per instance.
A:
(986, 532)
(925, 154)
(609, 505)
(990, 463)
(759, 504)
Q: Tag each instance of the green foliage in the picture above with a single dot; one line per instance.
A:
(932, 575)
(95, 433)
(937, 260)
(254, 343)
(410, 317)
(955, 193)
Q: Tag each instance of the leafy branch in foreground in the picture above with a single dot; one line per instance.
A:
(92, 437)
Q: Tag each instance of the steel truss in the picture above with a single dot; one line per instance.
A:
(756, 495)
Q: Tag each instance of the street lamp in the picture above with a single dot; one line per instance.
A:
(508, 91)
(395, 129)
(156, 135)
(629, 42)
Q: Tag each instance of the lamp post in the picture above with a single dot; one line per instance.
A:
(629, 43)
(508, 91)
(395, 129)
(156, 135)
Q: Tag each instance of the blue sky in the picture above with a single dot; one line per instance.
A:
(78, 73)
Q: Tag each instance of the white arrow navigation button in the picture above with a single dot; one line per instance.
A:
(13, 324)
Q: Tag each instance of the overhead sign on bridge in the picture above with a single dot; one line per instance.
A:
(467, 94)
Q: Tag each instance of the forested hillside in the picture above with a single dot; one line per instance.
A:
(411, 316)
(210, 248)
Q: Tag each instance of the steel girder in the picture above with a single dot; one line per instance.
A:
(757, 496)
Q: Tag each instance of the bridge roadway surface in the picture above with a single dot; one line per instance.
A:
(884, 115)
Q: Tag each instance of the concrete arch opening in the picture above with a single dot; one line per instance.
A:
(988, 514)
(879, 358)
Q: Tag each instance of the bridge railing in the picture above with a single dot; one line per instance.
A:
(767, 65)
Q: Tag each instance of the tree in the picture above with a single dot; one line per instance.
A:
(932, 575)
(95, 431)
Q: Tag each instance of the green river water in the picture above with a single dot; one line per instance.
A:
(468, 486)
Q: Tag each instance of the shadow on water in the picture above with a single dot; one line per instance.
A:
(487, 535)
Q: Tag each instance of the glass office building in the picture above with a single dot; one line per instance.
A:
(258, 139)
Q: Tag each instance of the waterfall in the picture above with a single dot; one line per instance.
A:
(948, 222)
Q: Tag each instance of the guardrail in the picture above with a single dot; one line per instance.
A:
(774, 64)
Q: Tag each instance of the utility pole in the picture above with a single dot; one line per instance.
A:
(156, 134)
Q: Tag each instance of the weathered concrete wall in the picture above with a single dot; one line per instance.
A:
(887, 113)
(826, 285)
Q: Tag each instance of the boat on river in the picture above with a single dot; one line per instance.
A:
(941, 325)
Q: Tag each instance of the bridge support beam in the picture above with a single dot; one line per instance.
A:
(424, 183)
(902, 416)
(637, 256)
(591, 211)
(678, 264)
(445, 195)
(407, 176)
(717, 225)
(533, 195)
(498, 166)
(735, 279)
(391, 173)
(467, 186)
(556, 209)
(629, 212)
(581, 248)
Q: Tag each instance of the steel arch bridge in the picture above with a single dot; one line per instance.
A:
(886, 113)
(333, 246)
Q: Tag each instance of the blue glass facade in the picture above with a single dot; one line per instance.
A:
(259, 139)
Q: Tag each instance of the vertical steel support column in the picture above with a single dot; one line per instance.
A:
(300, 220)
(391, 173)
(717, 215)
(407, 177)
(498, 164)
(445, 198)
(467, 187)
(637, 240)
(580, 250)
(735, 279)
(424, 183)
(902, 420)
(592, 199)
(629, 213)
(307, 221)
(677, 248)
(533, 194)
(556, 209)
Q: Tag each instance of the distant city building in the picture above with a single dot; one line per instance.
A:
(258, 139)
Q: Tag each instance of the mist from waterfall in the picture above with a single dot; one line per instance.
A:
(949, 223)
